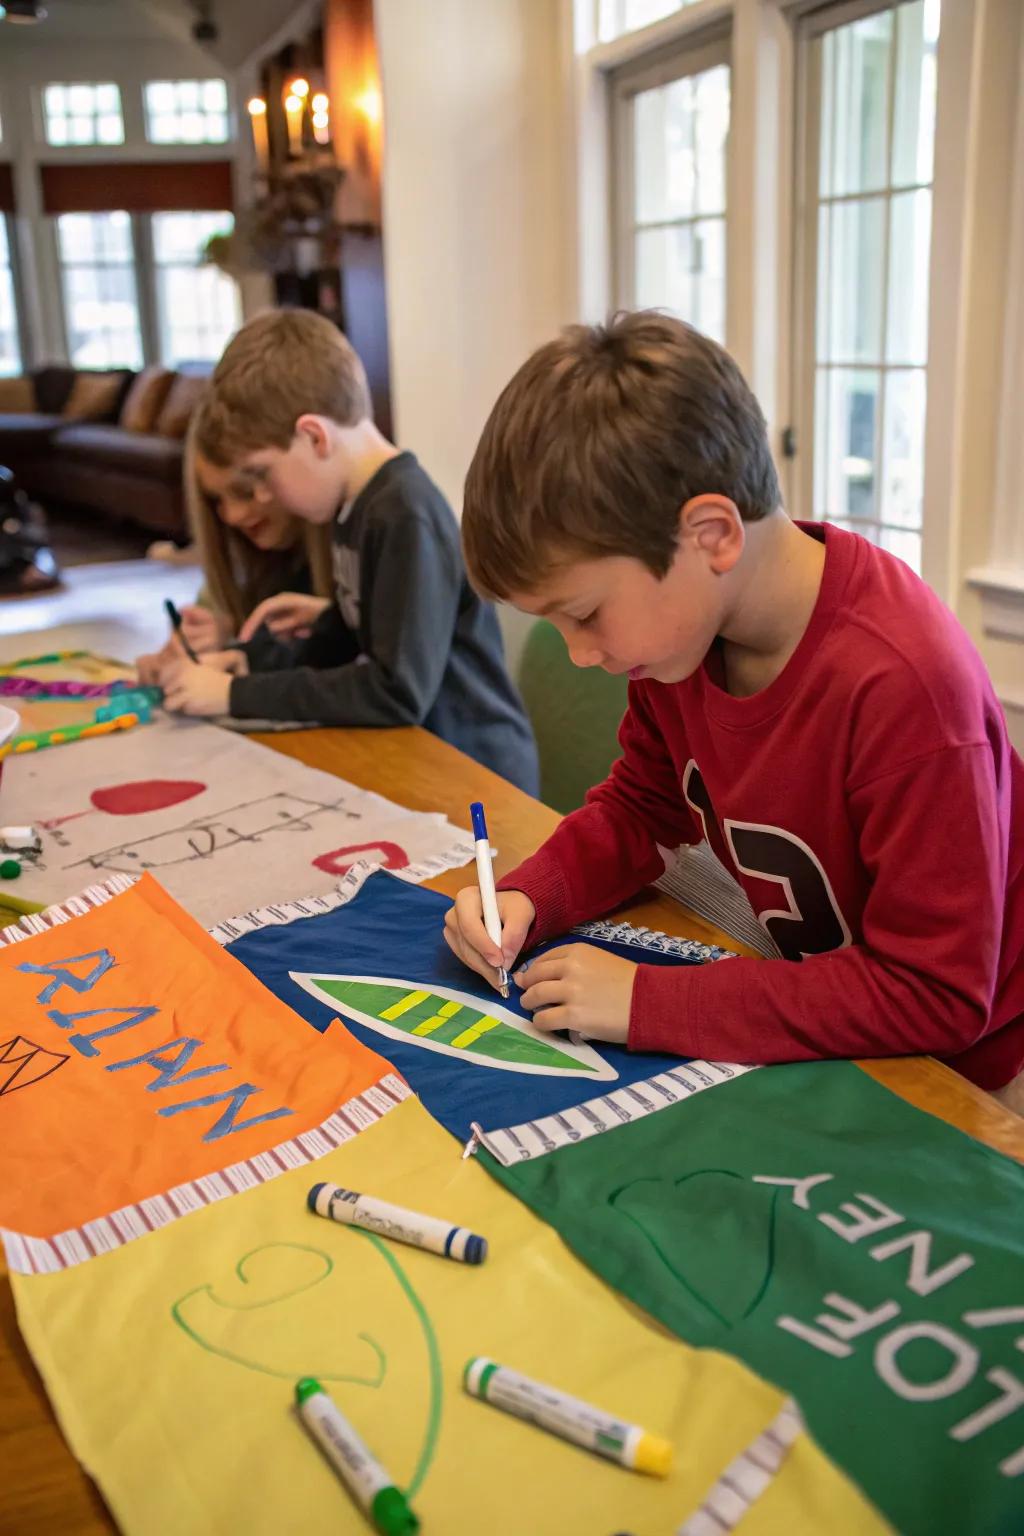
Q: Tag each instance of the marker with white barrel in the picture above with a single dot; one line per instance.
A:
(356, 1210)
(567, 1416)
(366, 1480)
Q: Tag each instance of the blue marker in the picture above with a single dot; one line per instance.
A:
(355, 1210)
(485, 880)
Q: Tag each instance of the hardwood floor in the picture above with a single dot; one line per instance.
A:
(115, 609)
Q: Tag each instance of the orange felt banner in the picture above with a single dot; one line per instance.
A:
(137, 1055)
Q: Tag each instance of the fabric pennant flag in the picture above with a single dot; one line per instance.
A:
(172, 1363)
(146, 1073)
(381, 963)
(866, 1258)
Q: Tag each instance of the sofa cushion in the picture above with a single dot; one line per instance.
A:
(17, 395)
(180, 403)
(145, 454)
(145, 399)
(94, 396)
(52, 383)
(26, 431)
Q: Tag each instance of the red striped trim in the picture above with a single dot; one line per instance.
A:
(27, 1255)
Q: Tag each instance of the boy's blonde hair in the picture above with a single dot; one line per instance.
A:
(281, 365)
(236, 575)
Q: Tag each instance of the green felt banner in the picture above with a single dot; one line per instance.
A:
(864, 1256)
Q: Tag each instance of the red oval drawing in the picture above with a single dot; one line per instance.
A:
(339, 859)
(144, 795)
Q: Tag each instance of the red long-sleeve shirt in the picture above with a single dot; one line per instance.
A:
(872, 807)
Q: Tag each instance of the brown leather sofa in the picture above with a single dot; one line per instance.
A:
(111, 443)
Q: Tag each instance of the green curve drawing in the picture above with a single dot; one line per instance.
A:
(615, 1201)
(372, 1379)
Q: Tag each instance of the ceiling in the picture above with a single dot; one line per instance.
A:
(245, 27)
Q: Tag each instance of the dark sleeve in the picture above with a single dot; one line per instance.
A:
(410, 583)
(330, 643)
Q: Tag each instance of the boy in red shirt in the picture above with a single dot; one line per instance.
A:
(796, 695)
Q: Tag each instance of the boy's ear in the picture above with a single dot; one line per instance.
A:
(713, 524)
(315, 429)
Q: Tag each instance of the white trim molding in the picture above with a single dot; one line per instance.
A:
(1000, 581)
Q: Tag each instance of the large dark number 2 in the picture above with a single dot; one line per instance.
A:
(811, 922)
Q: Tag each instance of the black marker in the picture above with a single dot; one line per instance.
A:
(175, 618)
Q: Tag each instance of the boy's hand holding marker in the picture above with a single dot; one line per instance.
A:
(204, 688)
(575, 986)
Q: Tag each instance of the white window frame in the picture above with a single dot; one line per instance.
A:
(810, 33)
(141, 294)
(625, 84)
(43, 122)
(189, 144)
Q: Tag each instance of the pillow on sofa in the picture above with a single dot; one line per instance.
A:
(145, 399)
(184, 395)
(17, 396)
(93, 396)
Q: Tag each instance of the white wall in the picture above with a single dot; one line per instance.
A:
(475, 222)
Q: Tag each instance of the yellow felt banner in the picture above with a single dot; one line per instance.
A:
(171, 1364)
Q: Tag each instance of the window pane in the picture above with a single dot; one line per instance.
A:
(682, 268)
(903, 448)
(849, 402)
(108, 99)
(909, 263)
(217, 127)
(197, 306)
(679, 138)
(850, 279)
(160, 96)
(100, 301)
(855, 68)
(110, 129)
(54, 98)
(10, 349)
(57, 130)
(188, 95)
(905, 546)
(640, 13)
(193, 127)
(215, 96)
(917, 29)
(81, 98)
(80, 130)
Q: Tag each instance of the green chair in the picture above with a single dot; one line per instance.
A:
(575, 712)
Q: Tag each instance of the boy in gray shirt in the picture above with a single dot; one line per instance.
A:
(407, 641)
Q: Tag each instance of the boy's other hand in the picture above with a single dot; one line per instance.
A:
(193, 689)
(288, 615)
(579, 987)
(236, 663)
(152, 666)
(203, 629)
(466, 935)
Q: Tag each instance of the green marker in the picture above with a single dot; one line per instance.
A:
(366, 1480)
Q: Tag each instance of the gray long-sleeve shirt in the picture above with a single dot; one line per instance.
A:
(407, 640)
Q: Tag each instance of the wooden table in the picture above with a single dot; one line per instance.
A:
(43, 1491)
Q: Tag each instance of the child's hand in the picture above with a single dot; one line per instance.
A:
(579, 987)
(192, 689)
(289, 615)
(203, 629)
(234, 662)
(466, 935)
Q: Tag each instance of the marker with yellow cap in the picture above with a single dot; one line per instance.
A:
(569, 1417)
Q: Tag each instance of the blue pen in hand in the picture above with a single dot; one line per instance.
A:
(485, 879)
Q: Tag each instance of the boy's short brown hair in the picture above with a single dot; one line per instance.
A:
(280, 366)
(597, 442)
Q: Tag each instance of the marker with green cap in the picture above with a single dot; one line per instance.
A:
(366, 1480)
